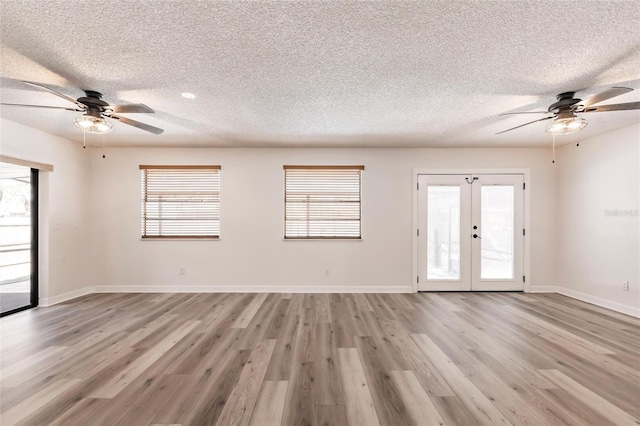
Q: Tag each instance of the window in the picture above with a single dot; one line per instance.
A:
(180, 201)
(322, 202)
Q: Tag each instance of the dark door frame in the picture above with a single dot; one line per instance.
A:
(34, 246)
(35, 194)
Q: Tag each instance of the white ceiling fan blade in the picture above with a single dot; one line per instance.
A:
(608, 94)
(58, 94)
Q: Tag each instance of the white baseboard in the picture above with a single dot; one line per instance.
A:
(542, 289)
(50, 301)
(618, 307)
(220, 289)
(598, 301)
(250, 289)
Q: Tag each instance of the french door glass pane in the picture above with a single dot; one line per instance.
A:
(496, 257)
(443, 233)
(15, 237)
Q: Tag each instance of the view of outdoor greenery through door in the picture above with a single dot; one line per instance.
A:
(15, 237)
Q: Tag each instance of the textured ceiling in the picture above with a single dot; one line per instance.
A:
(391, 74)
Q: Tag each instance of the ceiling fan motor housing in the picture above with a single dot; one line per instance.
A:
(565, 101)
(93, 112)
(565, 114)
(93, 100)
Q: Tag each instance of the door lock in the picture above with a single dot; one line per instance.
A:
(477, 236)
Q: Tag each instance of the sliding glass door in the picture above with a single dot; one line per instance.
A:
(18, 238)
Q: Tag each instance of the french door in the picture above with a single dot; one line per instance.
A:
(470, 232)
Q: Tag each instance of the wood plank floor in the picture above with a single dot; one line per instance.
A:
(320, 359)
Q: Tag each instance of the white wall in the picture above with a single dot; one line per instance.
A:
(251, 251)
(596, 252)
(91, 229)
(65, 228)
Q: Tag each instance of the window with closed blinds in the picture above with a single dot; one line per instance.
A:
(180, 201)
(322, 202)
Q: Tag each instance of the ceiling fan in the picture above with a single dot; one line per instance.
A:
(96, 110)
(565, 111)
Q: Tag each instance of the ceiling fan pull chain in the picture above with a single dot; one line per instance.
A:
(103, 156)
(553, 137)
(84, 139)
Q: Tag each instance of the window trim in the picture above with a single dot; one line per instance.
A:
(179, 237)
(185, 167)
(359, 168)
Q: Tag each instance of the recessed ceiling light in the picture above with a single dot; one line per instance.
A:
(188, 95)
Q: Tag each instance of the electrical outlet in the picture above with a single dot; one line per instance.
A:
(327, 272)
(182, 270)
(625, 285)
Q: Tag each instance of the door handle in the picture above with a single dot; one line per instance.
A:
(477, 236)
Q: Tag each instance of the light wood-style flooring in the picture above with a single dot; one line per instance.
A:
(320, 359)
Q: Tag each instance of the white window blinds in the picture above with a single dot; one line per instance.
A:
(322, 202)
(180, 201)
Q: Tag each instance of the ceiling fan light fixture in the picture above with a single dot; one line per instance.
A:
(96, 125)
(563, 126)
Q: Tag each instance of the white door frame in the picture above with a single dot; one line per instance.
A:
(527, 178)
